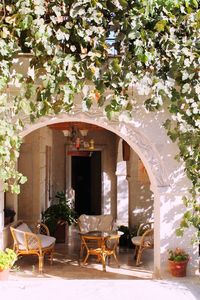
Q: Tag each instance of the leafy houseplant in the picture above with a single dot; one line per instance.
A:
(178, 260)
(7, 260)
(59, 215)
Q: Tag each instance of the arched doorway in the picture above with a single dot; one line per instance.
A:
(141, 146)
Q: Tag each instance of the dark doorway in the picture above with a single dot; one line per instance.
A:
(86, 181)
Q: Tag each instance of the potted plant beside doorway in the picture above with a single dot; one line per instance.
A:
(58, 216)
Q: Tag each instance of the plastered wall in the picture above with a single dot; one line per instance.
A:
(141, 200)
(104, 142)
(32, 163)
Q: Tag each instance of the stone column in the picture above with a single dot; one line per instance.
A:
(122, 188)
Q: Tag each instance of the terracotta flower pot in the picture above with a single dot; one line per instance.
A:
(178, 268)
(4, 274)
(61, 231)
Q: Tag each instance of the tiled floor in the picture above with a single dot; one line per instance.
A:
(66, 264)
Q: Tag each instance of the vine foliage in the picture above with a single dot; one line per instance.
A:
(155, 47)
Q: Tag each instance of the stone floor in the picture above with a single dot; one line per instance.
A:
(66, 264)
(67, 279)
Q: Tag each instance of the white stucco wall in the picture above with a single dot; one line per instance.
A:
(141, 204)
(32, 163)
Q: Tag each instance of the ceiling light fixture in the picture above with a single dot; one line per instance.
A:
(76, 139)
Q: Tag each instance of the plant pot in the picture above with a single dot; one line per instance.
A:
(8, 220)
(4, 274)
(61, 231)
(178, 269)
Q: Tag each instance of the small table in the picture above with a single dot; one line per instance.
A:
(101, 244)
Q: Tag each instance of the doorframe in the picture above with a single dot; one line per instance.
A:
(68, 172)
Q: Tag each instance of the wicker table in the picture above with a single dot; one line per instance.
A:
(101, 244)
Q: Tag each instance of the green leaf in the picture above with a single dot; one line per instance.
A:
(23, 179)
(184, 223)
(160, 25)
(179, 232)
(123, 3)
(115, 65)
(26, 21)
(15, 188)
(195, 3)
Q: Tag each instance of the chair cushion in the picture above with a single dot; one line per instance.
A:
(46, 240)
(105, 223)
(20, 232)
(95, 223)
(23, 227)
(136, 240)
(88, 223)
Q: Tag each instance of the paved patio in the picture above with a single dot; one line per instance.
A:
(67, 265)
(66, 278)
(181, 289)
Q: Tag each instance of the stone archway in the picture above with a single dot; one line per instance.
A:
(134, 137)
(141, 145)
(168, 182)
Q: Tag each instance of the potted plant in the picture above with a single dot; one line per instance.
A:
(178, 260)
(125, 238)
(7, 260)
(58, 216)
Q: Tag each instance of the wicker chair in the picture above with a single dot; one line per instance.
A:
(28, 243)
(143, 240)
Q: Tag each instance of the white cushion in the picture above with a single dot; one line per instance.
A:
(95, 223)
(136, 240)
(46, 241)
(88, 223)
(20, 232)
(24, 227)
(106, 223)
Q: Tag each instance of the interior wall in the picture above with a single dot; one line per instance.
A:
(105, 142)
(141, 200)
(58, 162)
(32, 163)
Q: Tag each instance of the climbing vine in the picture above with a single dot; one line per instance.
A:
(155, 48)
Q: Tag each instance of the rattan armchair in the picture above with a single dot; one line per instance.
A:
(27, 242)
(143, 240)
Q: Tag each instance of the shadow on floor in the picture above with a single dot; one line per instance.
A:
(66, 265)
